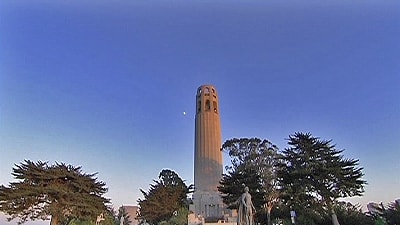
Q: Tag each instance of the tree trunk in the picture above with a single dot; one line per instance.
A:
(334, 218)
(54, 220)
(269, 215)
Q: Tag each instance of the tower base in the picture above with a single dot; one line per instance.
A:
(208, 205)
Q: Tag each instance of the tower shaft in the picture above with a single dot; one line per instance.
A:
(208, 166)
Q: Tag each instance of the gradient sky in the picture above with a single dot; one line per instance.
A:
(105, 85)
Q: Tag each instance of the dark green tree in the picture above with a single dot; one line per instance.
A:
(252, 164)
(62, 192)
(107, 218)
(165, 197)
(313, 172)
(81, 222)
(122, 214)
(232, 185)
(179, 217)
(392, 213)
(350, 215)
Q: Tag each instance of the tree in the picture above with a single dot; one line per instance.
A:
(253, 164)
(165, 197)
(232, 185)
(82, 222)
(109, 217)
(313, 172)
(123, 215)
(62, 192)
(179, 217)
(351, 214)
(392, 213)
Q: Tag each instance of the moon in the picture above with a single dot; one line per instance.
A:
(184, 113)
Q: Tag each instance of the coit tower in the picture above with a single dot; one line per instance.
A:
(208, 166)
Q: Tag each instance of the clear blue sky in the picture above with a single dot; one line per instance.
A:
(104, 85)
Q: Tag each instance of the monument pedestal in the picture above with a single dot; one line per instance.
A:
(208, 205)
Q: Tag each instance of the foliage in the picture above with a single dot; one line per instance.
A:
(232, 185)
(253, 164)
(61, 191)
(304, 216)
(122, 214)
(392, 214)
(81, 222)
(179, 217)
(109, 217)
(313, 172)
(166, 196)
(350, 215)
(380, 221)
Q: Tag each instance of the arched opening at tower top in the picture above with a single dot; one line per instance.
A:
(208, 105)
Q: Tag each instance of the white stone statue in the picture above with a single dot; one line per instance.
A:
(246, 209)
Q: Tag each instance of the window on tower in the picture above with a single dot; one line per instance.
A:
(208, 105)
(207, 91)
(198, 106)
(215, 106)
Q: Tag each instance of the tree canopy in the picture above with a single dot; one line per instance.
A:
(392, 213)
(62, 192)
(313, 171)
(253, 164)
(164, 198)
(309, 176)
(124, 216)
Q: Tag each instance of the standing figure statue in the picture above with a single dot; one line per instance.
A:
(246, 209)
(121, 221)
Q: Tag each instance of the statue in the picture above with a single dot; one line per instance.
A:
(121, 221)
(246, 209)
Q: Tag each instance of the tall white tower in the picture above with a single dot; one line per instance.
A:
(208, 166)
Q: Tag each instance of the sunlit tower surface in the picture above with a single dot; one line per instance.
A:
(208, 166)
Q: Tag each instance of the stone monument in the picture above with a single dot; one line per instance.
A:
(208, 166)
(246, 209)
